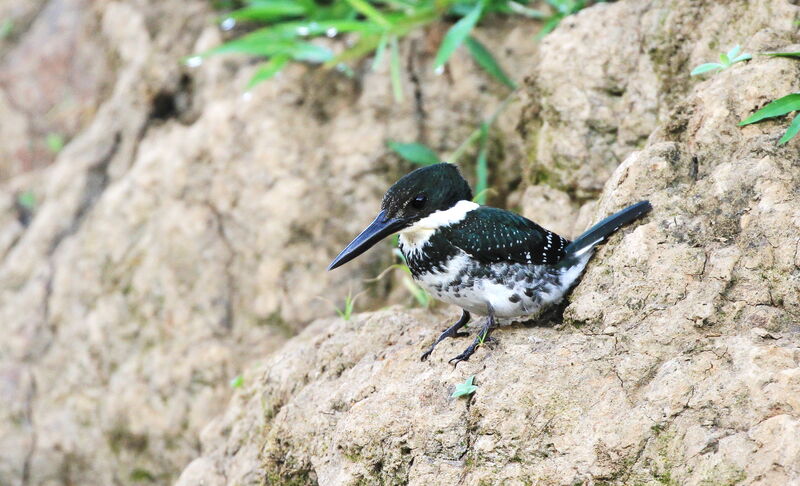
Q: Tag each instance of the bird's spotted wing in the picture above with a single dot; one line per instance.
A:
(491, 235)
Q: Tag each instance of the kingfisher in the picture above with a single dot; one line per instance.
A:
(487, 261)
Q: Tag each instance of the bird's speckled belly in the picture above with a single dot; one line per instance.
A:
(513, 290)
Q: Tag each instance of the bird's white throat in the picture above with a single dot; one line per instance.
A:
(415, 236)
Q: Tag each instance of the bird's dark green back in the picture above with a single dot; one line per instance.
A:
(491, 235)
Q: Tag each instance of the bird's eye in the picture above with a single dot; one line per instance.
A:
(419, 201)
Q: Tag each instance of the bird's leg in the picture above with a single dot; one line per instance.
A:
(482, 337)
(451, 331)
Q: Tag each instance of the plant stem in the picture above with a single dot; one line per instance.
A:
(476, 134)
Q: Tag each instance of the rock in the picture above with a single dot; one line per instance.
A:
(662, 371)
(184, 229)
(54, 77)
(590, 105)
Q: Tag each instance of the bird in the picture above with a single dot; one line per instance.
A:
(487, 261)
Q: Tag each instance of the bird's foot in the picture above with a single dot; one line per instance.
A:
(441, 337)
(481, 339)
(463, 356)
(452, 331)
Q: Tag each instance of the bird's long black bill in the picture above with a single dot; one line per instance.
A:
(375, 232)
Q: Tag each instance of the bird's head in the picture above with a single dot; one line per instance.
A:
(417, 195)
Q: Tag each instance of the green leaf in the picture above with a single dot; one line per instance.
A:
(521, 9)
(54, 142)
(268, 69)
(364, 45)
(782, 54)
(725, 60)
(394, 71)
(416, 153)
(704, 68)
(371, 13)
(6, 27)
(794, 127)
(306, 51)
(734, 52)
(743, 57)
(422, 297)
(27, 200)
(482, 166)
(237, 382)
(456, 35)
(779, 107)
(269, 11)
(549, 26)
(485, 59)
(466, 388)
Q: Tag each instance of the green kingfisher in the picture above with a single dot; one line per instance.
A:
(487, 261)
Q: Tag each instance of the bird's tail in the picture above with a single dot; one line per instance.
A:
(599, 232)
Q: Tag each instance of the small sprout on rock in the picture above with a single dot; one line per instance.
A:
(726, 60)
(466, 388)
(54, 142)
(237, 382)
(349, 304)
(27, 200)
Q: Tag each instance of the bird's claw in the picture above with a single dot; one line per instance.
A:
(462, 357)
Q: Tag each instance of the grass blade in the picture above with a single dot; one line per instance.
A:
(394, 71)
(782, 54)
(779, 107)
(268, 69)
(532, 13)
(794, 127)
(704, 68)
(371, 13)
(482, 166)
(379, 52)
(268, 12)
(420, 295)
(415, 153)
(549, 26)
(365, 45)
(456, 35)
(485, 60)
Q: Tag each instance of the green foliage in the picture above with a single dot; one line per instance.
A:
(777, 108)
(6, 28)
(562, 9)
(782, 54)
(466, 388)
(349, 304)
(482, 165)
(727, 59)
(457, 35)
(416, 153)
(422, 297)
(140, 475)
(291, 29)
(485, 60)
(54, 142)
(237, 382)
(419, 154)
(27, 200)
